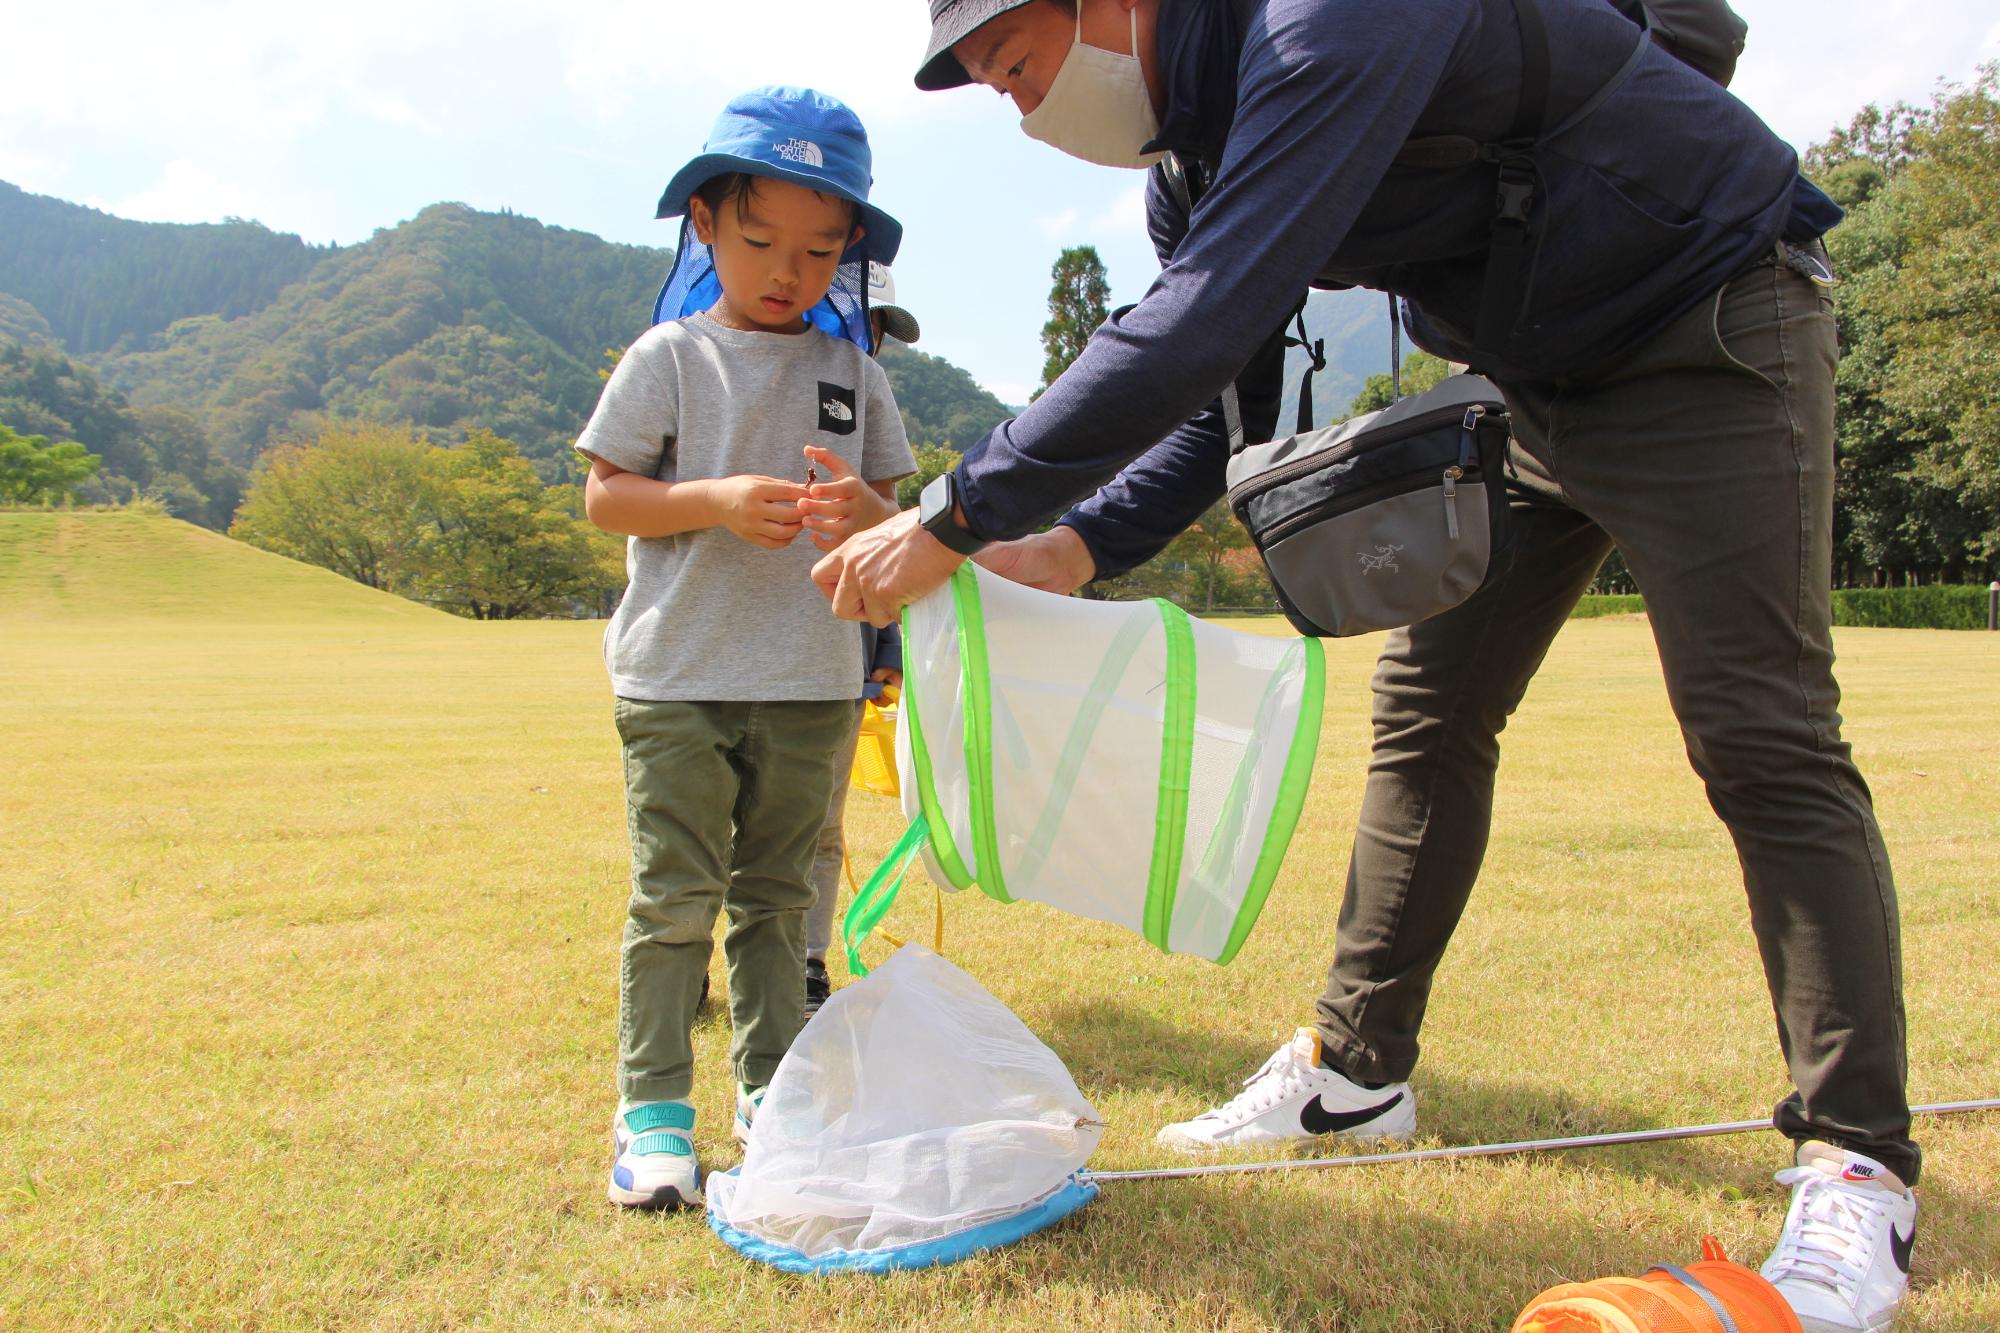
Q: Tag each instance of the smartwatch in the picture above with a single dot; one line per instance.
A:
(937, 512)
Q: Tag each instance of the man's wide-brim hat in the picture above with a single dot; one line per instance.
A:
(796, 135)
(897, 322)
(951, 21)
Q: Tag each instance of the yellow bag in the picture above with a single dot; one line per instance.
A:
(875, 753)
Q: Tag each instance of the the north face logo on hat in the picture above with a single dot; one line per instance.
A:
(803, 151)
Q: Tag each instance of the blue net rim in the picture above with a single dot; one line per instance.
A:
(1074, 1193)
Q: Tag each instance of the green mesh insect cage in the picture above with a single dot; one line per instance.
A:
(1122, 761)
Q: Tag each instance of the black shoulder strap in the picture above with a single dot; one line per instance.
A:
(1505, 289)
(1509, 261)
(1186, 180)
(1395, 349)
(1316, 350)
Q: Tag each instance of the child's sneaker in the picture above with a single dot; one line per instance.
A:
(652, 1157)
(748, 1099)
(819, 987)
(1843, 1260)
(1294, 1097)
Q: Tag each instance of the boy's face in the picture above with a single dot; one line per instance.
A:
(776, 248)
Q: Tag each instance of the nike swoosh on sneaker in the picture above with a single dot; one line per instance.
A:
(1900, 1247)
(1314, 1118)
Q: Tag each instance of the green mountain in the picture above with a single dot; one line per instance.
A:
(941, 403)
(455, 320)
(21, 323)
(102, 282)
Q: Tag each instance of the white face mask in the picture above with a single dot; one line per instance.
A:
(1098, 108)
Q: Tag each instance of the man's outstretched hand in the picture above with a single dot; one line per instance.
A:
(1054, 561)
(874, 574)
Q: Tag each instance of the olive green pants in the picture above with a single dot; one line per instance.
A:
(1706, 457)
(724, 803)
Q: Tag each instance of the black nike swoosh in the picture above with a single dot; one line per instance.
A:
(1316, 1119)
(1900, 1247)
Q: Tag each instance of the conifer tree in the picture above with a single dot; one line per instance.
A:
(1076, 307)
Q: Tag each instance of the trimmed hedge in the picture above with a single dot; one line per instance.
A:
(1595, 604)
(1933, 606)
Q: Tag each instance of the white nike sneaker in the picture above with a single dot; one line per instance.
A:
(1843, 1260)
(748, 1100)
(1292, 1098)
(652, 1157)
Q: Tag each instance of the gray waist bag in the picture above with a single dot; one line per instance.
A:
(1384, 520)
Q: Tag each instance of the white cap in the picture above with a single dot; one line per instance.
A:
(897, 322)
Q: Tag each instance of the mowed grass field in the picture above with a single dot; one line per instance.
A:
(309, 912)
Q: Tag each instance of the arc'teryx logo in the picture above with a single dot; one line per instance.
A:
(1384, 560)
(802, 151)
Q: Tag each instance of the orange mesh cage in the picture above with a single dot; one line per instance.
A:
(1659, 1302)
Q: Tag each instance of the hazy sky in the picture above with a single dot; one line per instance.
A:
(332, 121)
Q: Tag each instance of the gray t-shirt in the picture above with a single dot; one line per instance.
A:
(707, 615)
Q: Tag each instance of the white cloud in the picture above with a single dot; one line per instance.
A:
(633, 56)
(1011, 392)
(1807, 68)
(187, 193)
(1058, 225)
(21, 165)
(1127, 212)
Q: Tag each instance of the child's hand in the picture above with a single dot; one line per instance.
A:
(763, 511)
(887, 676)
(841, 506)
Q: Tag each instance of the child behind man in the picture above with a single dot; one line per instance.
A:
(735, 686)
(881, 665)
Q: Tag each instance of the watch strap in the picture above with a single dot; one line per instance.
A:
(944, 525)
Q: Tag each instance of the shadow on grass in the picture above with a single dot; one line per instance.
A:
(1112, 1048)
(1119, 1048)
(1333, 1249)
(1398, 1252)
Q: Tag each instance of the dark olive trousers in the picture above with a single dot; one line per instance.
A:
(1706, 457)
(724, 802)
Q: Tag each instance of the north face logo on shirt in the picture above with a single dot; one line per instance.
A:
(803, 151)
(836, 409)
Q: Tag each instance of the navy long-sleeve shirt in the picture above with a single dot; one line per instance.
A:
(1647, 205)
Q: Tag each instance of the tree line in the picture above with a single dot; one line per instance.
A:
(1919, 310)
(470, 529)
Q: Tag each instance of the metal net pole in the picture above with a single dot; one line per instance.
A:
(1499, 1149)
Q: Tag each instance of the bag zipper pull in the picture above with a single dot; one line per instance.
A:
(1468, 442)
(1451, 476)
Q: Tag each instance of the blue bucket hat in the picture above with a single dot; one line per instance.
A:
(796, 135)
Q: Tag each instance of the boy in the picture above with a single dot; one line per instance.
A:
(881, 665)
(735, 687)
